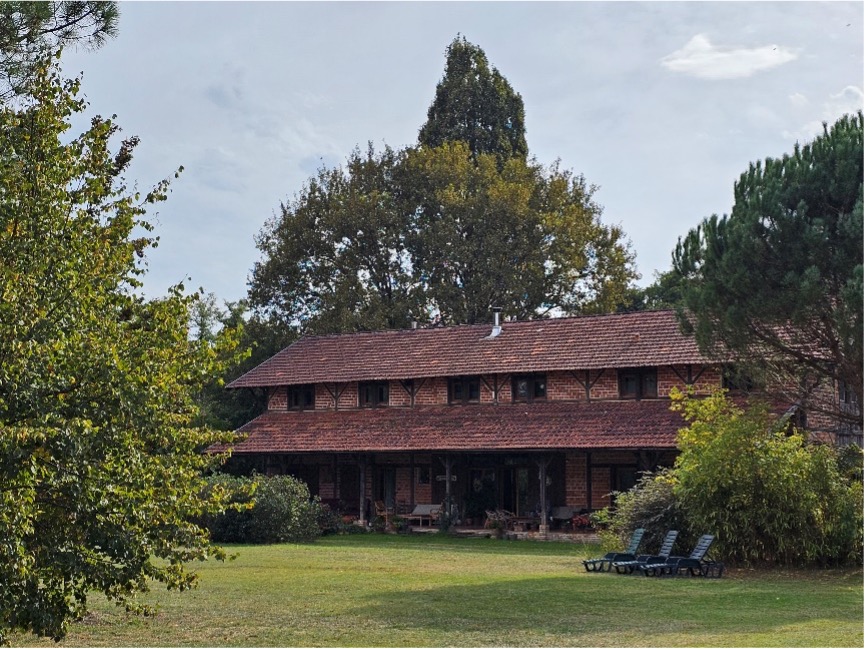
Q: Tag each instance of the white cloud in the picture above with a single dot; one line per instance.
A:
(798, 100)
(700, 58)
(848, 100)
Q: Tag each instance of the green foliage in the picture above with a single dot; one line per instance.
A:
(522, 238)
(399, 237)
(651, 504)
(663, 293)
(444, 231)
(334, 259)
(767, 495)
(29, 31)
(268, 509)
(100, 461)
(475, 104)
(781, 279)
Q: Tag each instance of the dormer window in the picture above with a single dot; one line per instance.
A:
(373, 393)
(529, 388)
(637, 383)
(464, 390)
(301, 398)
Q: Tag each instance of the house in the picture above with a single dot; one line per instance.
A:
(524, 416)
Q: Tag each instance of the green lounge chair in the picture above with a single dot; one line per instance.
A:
(628, 566)
(605, 563)
(694, 565)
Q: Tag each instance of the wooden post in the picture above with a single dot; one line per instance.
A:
(543, 463)
(362, 467)
(447, 462)
(411, 481)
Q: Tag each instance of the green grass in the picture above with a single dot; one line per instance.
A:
(375, 590)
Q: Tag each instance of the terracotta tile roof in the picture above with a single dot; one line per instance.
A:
(649, 424)
(589, 342)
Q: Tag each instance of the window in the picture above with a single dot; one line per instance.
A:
(463, 390)
(301, 398)
(637, 383)
(847, 394)
(528, 388)
(373, 393)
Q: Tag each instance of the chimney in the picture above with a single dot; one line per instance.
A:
(495, 331)
(414, 324)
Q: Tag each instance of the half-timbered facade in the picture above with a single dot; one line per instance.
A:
(525, 416)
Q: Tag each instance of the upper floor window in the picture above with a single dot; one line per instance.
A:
(464, 389)
(847, 394)
(373, 393)
(637, 383)
(301, 398)
(528, 388)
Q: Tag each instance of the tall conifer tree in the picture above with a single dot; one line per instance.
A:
(475, 104)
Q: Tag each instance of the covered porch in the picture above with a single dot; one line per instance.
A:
(531, 460)
(535, 490)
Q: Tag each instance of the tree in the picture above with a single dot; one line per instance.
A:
(100, 467)
(29, 31)
(781, 280)
(445, 230)
(475, 104)
(516, 236)
(335, 259)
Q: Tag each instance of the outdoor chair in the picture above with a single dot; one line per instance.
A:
(605, 563)
(628, 567)
(497, 518)
(694, 565)
(425, 511)
(381, 510)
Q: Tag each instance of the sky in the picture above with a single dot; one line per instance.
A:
(662, 105)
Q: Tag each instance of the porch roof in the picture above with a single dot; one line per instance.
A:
(580, 343)
(649, 424)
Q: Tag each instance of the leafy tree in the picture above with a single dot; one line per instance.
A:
(663, 293)
(31, 30)
(444, 231)
(781, 279)
(100, 467)
(475, 104)
(516, 236)
(335, 258)
(753, 481)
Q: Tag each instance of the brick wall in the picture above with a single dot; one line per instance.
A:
(606, 386)
(277, 400)
(576, 480)
(600, 486)
(705, 379)
(564, 386)
(561, 386)
(433, 391)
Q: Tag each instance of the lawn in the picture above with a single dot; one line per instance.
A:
(379, 590)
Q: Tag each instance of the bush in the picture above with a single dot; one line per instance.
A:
(768, 495)
(651, 505)
(269, 509)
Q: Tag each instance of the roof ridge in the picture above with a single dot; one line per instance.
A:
(441, 328)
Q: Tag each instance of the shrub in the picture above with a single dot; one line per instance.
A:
(270, 509)
(651, 504)
(767, 494)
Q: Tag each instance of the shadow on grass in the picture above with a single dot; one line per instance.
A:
(619, 606)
